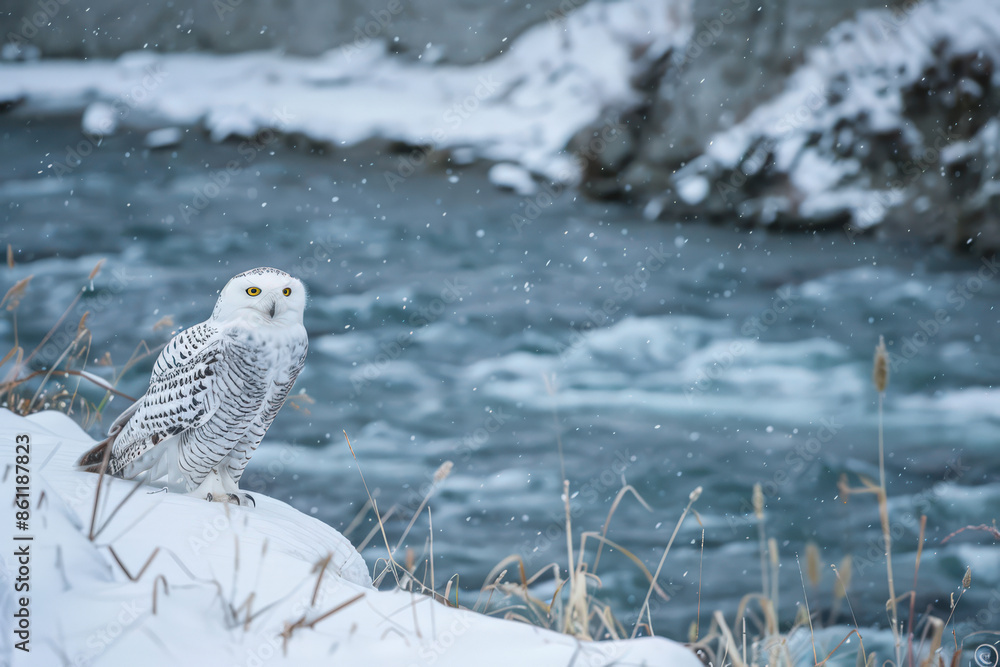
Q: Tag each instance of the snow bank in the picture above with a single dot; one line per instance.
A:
(216, 584)
(521, 107)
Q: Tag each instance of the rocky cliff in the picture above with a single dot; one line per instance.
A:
(853, 115)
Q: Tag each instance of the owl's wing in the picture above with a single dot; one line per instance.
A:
(183, 393)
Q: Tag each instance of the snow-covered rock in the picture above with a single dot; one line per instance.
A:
(864, 127)
(522, 107)
(165, 137)
(170, 579)
(100, 118)
(513, 177)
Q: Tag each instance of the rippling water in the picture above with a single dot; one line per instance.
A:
(671, 355)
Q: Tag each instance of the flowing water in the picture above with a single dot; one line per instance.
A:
(671, 356)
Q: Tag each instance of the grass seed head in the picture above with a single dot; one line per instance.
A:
(411, 560)
(96, 269)
(165, 322)
(801, 616)
(443, 471)
(812, 564)
(758, 501)
(880, 372)
(14, 295)
(844, 579)
(967, 579)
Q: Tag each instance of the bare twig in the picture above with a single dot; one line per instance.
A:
(692, 497)
(320, 567)
(805, 597)
(128, 496)
(142, 570)
(913, 593)
(992, 530)
(286, 634)
(166, 589)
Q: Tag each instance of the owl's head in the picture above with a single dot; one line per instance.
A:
(262, 294)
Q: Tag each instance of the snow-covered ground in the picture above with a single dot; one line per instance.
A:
(214, 584)
(521, 107)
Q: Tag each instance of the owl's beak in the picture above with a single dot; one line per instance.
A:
(273, 306)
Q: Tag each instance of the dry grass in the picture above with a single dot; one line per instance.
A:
(574, 608)
(755, 636)
(727, 644)
(30, 384)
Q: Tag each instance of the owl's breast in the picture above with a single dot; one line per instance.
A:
(270, 355)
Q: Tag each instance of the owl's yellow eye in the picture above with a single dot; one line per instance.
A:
(253, 291)
(287, 291)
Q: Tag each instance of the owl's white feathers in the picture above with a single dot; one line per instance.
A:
(214, 391)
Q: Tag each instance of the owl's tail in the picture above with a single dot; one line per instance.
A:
(97, 459)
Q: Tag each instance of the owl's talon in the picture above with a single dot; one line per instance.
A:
(241, 498)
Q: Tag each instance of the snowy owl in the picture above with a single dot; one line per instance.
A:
(215, 389)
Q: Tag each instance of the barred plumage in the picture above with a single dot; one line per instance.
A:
(215, 389)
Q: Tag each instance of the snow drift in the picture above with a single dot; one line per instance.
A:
(170, 579)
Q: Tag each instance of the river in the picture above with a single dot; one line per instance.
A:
(450, 320)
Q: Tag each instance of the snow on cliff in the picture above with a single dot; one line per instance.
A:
(870, 110)
(522, 106)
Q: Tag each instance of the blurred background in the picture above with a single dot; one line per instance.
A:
(651, 242)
